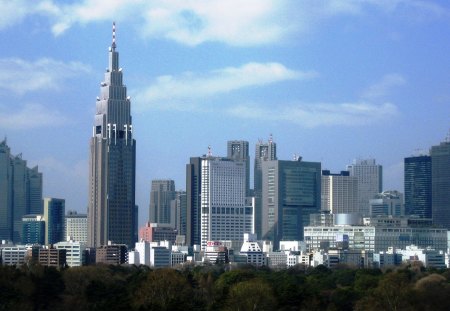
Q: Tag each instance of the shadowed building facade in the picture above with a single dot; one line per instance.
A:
(112, 166)
(440, 183)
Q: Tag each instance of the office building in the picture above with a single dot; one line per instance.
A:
(225, 214)
(263, 152)
(154, 232)
(54, 211)
(193, 200)
(370, 181)
(238, 151)
(417, 179)
(111, 254)
(75, 252)
(377, 234)
(178, 210)
(50, 257)
(339, 193)
(76, 227)
(440, 183)
(161, 195)
(291, 191)
(112, 165)
(387, 203)
(20, 193)
(33, 229)
(13, 254)
(252, 251)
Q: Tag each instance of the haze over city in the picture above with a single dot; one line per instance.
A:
(331, 80)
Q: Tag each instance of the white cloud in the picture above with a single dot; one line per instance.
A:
(192, 22)
(173, 90)
(314, 115)
(29, 117)
(21, 76)
(385, 85)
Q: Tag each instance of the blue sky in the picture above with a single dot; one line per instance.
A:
(331, 80)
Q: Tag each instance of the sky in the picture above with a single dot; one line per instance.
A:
(332, 81)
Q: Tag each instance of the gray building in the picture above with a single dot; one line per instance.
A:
(387, 203)
(440, 181)
(20, 193)
(291, 191)
(417, 178)
(76, 227)
(178, 212)
(263, 152)
(238, 151)
(339, 192)
(161, 195)
(370, 181)
(112, 166)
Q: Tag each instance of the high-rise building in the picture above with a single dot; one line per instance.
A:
(263, 152)
(161, 194)
(33, 229)
(440, 183)
(339, 193)
(370, 181)
(193, 201)
(54, 210)
(178, 213)
(76, 227)
(112, 170)
(238, 151)
(291, 192)
(224, 212)
(20, 193)
(418, 186)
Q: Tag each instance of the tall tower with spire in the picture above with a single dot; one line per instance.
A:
(112, 165)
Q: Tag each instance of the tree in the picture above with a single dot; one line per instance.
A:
(250, 295)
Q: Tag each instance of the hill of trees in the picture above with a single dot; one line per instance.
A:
(104, 287)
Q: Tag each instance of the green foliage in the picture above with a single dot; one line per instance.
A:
(103, 287)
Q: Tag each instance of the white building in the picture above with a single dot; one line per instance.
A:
(13, 254)
(224, 212)
(370, 181)
(75, 252)
(133, 258)
(428, 256)
(76, 227)
(377, 235)
(177, 258)
(339, 193)
(143, 249)
(251, 249)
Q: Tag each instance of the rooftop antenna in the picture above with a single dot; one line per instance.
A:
(209, 151)
(447, 138)
(113, 45)
(270, 138)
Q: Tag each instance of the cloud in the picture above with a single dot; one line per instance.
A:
(193, 22)
(321, 114)
(29, 117)
(383, 87)
(175, 90)
(21, 76)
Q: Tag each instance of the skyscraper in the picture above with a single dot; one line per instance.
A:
(224, 212)
(238, 150)
(263, 152)
(418, 186)
(161, 194)
(339, 193)
(20, 193)
(54, 211)
(112, 165)
(291, 191)
(370, 182)
(440, 181)
(193, 200)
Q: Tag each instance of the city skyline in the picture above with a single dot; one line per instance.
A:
(332, 82)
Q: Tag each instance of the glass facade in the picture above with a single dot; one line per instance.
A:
(418, 186)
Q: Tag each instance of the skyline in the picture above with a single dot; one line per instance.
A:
(332, 81)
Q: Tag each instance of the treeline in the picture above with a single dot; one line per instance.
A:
(104, 287)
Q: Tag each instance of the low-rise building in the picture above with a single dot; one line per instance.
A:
(75, 252)
(111, 254)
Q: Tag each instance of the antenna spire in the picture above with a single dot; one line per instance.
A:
(113, 45)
